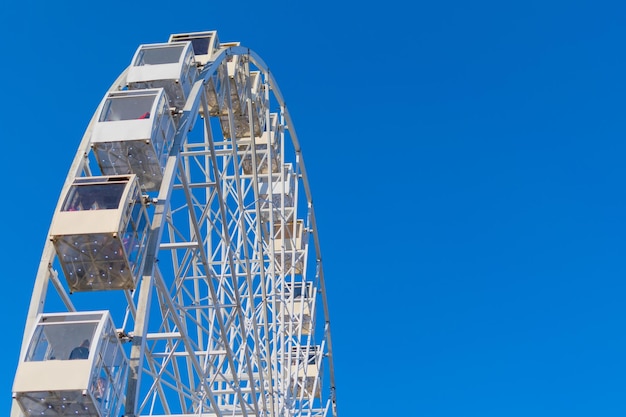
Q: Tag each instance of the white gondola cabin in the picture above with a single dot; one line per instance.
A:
(238, 87)
(74, 366)
(298, 307)
(266, 146)
(204, 44)
(134, 134)
(252, 88)
(100, 232)
(306, 365)
(289, 246)
(276, 193)
(259, 101)
(170, 66)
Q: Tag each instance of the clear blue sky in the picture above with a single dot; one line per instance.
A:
(467, 161)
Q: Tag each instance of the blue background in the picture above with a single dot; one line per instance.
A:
(467, 165)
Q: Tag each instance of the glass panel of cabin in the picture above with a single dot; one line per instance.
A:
(126, 107)
(156, 55)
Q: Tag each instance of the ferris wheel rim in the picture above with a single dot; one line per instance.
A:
(48, 255)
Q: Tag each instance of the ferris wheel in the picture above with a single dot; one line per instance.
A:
(182, 274)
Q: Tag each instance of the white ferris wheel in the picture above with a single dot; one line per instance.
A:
(182, 274)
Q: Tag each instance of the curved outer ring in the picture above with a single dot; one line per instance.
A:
(190, 112)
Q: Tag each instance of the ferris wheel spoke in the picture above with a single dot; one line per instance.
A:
(186, 218)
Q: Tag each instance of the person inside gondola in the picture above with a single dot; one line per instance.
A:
(81, 352)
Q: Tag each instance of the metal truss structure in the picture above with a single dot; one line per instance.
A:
(220, 306)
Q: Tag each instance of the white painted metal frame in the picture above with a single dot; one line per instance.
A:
(205, 329)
